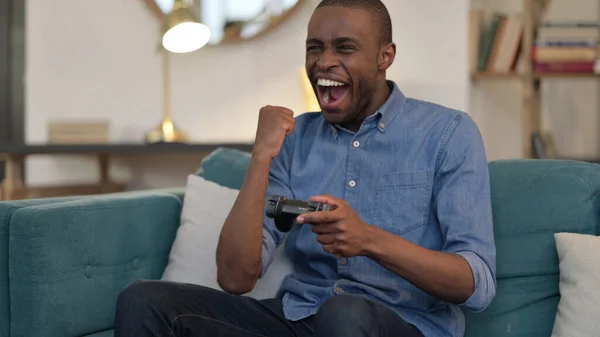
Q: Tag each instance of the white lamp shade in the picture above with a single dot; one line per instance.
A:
(186, 37)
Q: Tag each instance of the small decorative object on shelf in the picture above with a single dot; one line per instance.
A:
(544, 146)
(78, 132)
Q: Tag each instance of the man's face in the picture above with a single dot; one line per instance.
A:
(342, 50)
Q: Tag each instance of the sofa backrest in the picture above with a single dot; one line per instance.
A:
(226, 167)
(531, 200)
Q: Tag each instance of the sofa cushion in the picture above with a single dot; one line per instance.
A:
(579, 306)
(532, 200)
(226, 167)
(193, 254)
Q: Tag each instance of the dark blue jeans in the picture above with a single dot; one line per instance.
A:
(158, 308)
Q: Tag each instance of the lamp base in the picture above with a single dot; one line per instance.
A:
(166, 132)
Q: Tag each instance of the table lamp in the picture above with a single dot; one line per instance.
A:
(182, 33)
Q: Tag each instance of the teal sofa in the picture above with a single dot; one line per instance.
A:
(63, 261)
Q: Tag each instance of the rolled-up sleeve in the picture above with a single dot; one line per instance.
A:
(463, 207)
(278, 185)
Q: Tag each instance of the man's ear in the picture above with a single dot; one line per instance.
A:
(387, 56)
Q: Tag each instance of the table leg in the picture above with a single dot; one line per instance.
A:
(104, 162)
(13, 180)
(105, 183)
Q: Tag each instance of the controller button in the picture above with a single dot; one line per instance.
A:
(352, 183)
(356, 143)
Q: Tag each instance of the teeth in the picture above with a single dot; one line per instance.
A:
(329, 83)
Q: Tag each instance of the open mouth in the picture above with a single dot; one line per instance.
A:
(331, 93)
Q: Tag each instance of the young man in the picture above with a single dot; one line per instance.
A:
(410, 240)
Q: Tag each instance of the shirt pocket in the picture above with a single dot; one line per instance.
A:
(401, 200)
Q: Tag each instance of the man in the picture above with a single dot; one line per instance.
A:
(409, 242)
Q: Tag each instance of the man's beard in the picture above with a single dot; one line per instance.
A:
(358, 112)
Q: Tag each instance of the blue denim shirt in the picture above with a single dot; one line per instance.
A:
(415, 169)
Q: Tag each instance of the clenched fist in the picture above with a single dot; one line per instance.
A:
(274, 124)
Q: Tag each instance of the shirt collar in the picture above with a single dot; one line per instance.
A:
(386, 113)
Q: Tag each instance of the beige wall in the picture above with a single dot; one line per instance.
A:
(570, 106)
(96, 59)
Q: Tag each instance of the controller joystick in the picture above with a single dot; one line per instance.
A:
(284, 211)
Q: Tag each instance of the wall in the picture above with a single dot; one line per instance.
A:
(569, 106)
(97, 59)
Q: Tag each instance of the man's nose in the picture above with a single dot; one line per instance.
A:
(327, 61)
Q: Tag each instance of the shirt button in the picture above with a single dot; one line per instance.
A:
(382, 125)
(338, 290)
(352, 183)
(344, 261)
(356, 143)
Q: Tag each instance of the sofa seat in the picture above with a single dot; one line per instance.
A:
(107, 333)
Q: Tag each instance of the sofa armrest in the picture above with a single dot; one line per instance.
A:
(7, 209)
(68, 261)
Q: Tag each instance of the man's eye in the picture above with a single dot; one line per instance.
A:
(346, 48)
(312, 48)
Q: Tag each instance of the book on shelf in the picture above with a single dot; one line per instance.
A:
(559, 47)
(495, 41)
(566, 47)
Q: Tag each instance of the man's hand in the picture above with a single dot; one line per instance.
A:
(341, 231)
(274, 124)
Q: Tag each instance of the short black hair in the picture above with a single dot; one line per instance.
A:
(375, 7)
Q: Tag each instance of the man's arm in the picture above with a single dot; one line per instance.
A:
(240, 241)
(245, 247)
(464, 271)
(443, 275)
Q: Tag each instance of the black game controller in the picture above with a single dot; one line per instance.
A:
(285, 211)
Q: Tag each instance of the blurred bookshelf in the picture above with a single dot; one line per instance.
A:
(524, 47)
(491, 76)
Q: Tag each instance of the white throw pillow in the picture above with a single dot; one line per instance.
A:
(193, 255)
(579, 265)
